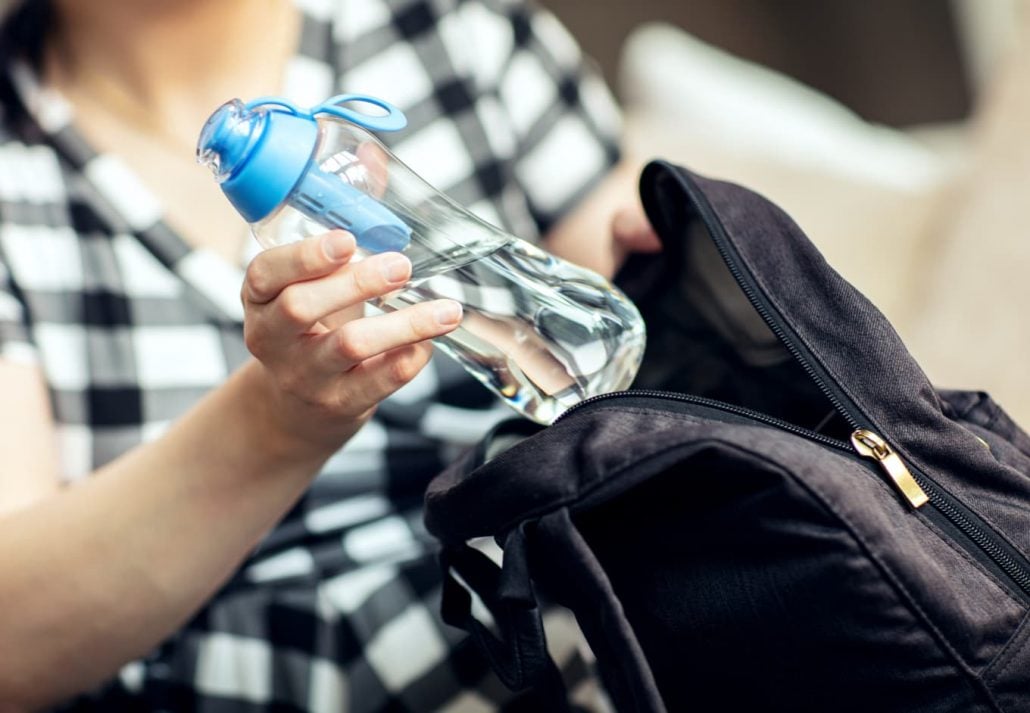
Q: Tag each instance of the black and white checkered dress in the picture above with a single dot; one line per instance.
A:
(338, 608)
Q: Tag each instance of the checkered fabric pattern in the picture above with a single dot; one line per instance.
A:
(338, 609)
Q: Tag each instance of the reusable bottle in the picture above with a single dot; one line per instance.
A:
(541, 333)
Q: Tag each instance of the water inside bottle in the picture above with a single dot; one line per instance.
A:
(540, 332)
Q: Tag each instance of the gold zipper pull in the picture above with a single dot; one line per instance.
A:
(870, 445)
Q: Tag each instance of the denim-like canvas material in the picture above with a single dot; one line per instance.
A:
(731, 565)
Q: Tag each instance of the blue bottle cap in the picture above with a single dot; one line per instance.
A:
(257, 156)
(260, 150)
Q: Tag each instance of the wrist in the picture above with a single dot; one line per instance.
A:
(288, 430)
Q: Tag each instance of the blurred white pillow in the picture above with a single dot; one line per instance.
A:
(668, 76)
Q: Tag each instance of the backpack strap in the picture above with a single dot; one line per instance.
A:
(571, 573)
(519, 656)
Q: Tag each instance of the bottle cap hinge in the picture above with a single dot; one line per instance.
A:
(870, 445)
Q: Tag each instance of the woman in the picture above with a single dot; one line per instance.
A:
(146, 457)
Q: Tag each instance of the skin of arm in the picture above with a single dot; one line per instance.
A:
(27, 438)
(112, 565)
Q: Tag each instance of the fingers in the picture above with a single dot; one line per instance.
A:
(271, 271)
(351, 369)
(374, 379)
(363, 339)
(334, 371)
(303, 303)
(289, 290)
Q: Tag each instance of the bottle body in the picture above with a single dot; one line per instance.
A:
(541, 333)
(544, 341)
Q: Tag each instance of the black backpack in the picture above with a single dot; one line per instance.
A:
(782, 515)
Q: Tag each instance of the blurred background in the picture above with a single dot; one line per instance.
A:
(900, 63)
(895, 133)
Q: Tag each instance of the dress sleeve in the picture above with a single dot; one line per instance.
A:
(564, 120)
(22, 172)
(15, 341)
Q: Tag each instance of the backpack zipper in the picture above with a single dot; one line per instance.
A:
(947, 512)
(976, 536)
(743, 411)
(863, 442)
(870, 445)
(949, 515)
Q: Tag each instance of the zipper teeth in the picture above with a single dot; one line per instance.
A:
(1000, 557)
(976, 534)
(718, 405)
(780, 334)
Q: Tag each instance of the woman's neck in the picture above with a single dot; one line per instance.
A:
(173, 59)
(144, 75)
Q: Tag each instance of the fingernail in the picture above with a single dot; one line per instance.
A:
(337, 245)
(448, 313)
(394, 268)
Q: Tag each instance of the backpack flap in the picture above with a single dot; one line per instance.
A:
(742, 307)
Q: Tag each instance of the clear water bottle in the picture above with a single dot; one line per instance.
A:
(543, 334)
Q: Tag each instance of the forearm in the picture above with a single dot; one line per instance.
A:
(103, 571)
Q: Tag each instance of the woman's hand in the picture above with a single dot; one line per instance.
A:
(328, 365)
(606, 226)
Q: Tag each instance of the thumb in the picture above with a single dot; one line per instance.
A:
(632, 231)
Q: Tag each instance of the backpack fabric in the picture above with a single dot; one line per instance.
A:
(782, 515)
